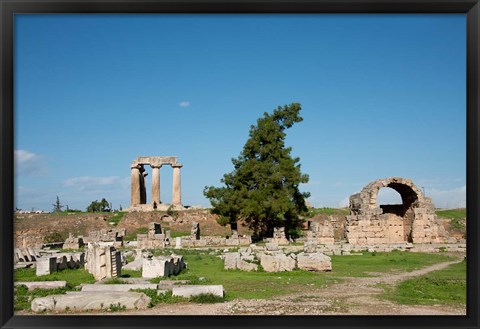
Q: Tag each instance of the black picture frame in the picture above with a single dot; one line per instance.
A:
(8, 8)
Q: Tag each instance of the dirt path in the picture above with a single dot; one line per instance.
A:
(354, 296)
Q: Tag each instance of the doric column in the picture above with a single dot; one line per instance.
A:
(156, 185)
(135, 192)
(143, 188)
(176, 192)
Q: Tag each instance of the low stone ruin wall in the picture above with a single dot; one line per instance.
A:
(213, 241)
(273, 259)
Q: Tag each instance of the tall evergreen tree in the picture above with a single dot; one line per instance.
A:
(57, 206)
(263, 189)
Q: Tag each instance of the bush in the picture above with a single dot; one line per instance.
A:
(206, 298)
(54, 237)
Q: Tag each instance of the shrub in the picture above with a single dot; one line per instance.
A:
(54, 237)
(116, 307)
(206, 298)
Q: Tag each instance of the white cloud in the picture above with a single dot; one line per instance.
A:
(184, 104)
(89, 182)
(28, 163)
(452, 198)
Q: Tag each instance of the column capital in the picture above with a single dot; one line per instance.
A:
(156, 166)
(135, 166)
(177, 165)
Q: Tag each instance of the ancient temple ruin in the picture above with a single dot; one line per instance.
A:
(139, 193)
(412, 221)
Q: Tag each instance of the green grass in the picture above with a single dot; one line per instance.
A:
(155, 298)
(457, 217)
(328, 211)
(130, 258)
(116, 218)
(131, 273)
(114, 281)
(208, 269)
(74, 277)
(445, 287)
(459, 213)
(179, 234)
(240, 284)
(23, 297)
(132, 236)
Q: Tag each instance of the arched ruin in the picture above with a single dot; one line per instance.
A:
(412, 221)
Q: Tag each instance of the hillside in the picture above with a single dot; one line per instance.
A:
(34, 228)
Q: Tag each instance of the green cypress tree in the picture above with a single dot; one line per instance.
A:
(263, 189)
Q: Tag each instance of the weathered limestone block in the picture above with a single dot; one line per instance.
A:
(42, 284)
(314, 262)
(103, 262)
(157, 266)
(194, 290)
(195, 231)
(178, 242)
(19, 254)
(85, 301)
(162, 266)
(277, 263)
(118, 287)
(231, 260)
(46, 265)
(246, 266)
(271, 246)
(310, 246)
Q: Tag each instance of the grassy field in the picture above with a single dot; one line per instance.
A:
(205, 267)
(460, 213)
(446, 286)
(240, 284)
(328, 211)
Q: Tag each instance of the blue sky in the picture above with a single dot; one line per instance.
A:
(381, 95)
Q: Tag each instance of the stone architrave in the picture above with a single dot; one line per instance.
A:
(46, 265)
(176, 191)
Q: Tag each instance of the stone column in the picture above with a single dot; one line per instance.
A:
(143, 190)
(135, 192)
(156, 185)
(176, 192)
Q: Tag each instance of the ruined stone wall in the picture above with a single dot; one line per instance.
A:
(413, 221)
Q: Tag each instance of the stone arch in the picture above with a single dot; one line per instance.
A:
(412, 221)
(408, 191)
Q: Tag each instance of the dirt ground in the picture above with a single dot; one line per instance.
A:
(354, 296)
